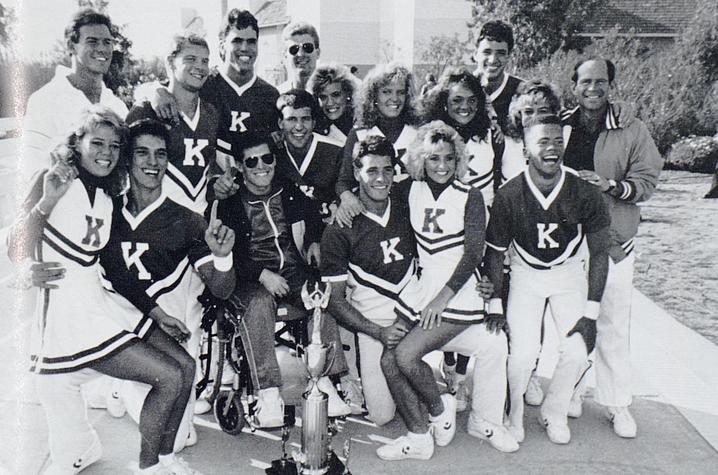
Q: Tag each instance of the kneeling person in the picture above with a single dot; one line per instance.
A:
(545, 214)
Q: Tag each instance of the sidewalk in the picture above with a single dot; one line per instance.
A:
(675, 387)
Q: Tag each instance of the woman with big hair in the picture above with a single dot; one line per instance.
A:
(335, 88)
(386, 107)
(64, 224)
(440, 306)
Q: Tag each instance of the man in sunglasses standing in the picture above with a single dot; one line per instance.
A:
(301, 52)
(266, 214)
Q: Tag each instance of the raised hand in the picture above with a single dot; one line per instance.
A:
(225, 186)
(218, 237)
(55, 184)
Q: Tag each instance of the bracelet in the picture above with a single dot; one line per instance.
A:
(223, 264)
(496, 306)
(591, 309)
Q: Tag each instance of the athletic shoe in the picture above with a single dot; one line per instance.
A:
(202, 406)
(269, 411)
(354, 395)
(410, 446)
(336, 407)
(534, 393)
(575, 407)
(496, 435)
(449, 373)
(558, 433)
(191, 436)
(517, 432)
(177, 466)
(156, 469)
(461, 391)
(115, 405)
(443, 426)
(623, 423)
(90, 456)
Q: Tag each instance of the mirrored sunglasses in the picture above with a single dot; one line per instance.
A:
(251, 162)
(306, 47)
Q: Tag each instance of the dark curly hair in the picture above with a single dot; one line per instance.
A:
(434, 104)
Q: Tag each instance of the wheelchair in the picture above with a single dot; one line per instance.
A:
(220, 325)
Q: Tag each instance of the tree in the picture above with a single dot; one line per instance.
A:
(7, 24)
(441, 51)
(541, 27)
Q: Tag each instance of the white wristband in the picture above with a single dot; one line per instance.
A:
(591, 309)
(496, 307)
(223, 264)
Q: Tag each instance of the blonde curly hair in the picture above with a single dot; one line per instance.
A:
(427, 137)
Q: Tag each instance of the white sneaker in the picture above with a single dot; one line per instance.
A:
(156, 469)
(499, 438)
(623, 423)
(269, 411)
(354, 395)
(461, 391)
(115, 405)
(410, 446)
(336, 407)
(191, 436)
(575, 407)
(90, 456)
(517, 432)
(177, 466)
(449, 373)
(443, 426)
(557, 432)
(534, 393)
(202, 406)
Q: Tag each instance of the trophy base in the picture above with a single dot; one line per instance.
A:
(286, 466)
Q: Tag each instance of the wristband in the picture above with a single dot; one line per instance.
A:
(591, 309)
(496, 307)
(223, 264)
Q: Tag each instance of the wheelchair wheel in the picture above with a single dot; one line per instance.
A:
(229, 412)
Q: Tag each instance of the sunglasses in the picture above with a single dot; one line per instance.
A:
(251, 162)
(306, 47)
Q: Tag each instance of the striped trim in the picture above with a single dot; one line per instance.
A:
(181, 180)
(406, 312)
(458, 235)
(170, 282)
(335, 278)
(378, 284)
(144, 327)
(67, 248)
(224, 146)
(496, 248)
(84, 358)
(482, 181)
(437, 249)
(628, 246)
(463, 187)
(571, 250)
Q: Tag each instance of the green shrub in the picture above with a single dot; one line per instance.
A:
(693, 154)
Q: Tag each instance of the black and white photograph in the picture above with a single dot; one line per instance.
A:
(306, 237)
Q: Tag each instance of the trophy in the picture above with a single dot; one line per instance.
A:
(316, 456)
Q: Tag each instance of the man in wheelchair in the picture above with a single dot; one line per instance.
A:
(278, 230)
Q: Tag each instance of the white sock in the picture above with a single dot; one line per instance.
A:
(151, 469)
(419, 436)
(166, 460)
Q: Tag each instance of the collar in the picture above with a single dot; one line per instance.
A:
(307, 159)
(239, 89)
(500, 89)
(571, 117)
(135, 221)
(382, 220)
(192, 123)
(545, 201)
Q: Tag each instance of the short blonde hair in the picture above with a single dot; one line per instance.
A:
(426, 138)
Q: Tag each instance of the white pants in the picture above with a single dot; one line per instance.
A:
(490, 351)
(377, 397)
(69, 431)
(566, 289)
(613, 356)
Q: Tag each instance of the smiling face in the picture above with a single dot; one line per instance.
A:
(543, 144)
(537, 105)
(492, 58)
(333, 100)
(149, 162)
(592, 86)
(391, 97)
(240, 49)
(297, 125)
(99, 150)
(375, 178)
(440, 162)
(259, 178)
(190, 67)
(303, 63)
(93, 50)
(461, 104)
